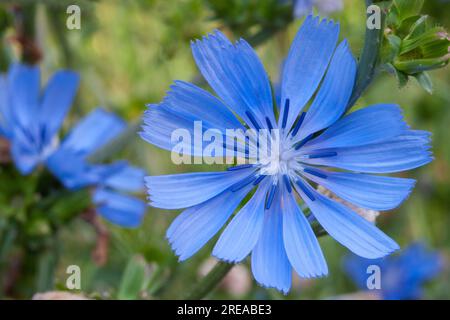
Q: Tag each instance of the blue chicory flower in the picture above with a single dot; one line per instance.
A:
(271, 225)
(402, 276)
(31, 121)
(69, 164)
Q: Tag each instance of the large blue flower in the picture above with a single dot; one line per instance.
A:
(271, 225)
(402, 276)
(31, 121)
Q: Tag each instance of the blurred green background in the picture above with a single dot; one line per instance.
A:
(129, 52)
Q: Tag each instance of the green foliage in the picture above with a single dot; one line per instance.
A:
(134, 280)
(414, 43)
(254, 20)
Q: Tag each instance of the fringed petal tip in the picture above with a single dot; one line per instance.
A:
(283, 289)
(318, 20)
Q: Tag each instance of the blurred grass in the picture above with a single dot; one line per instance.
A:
(129, 52)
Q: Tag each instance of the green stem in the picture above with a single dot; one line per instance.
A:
(210, 281)
(368, 60)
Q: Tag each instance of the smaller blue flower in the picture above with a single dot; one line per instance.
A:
(69, 163)
(30, 121)
(401, 276)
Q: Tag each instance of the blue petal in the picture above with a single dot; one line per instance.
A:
(159, 125)
(306, 63)
(334, 93)
(183, 105)
(347, 227)
(237, 76)
(93, 131)
(24, 86)
(119, 209)
(24, 157)
(188, 189)
(57, 100)
(23, 105)
(5, 111)
(193, 103)
(408, 151)
(195, 226)
(302, 247)
(365, 191)
(74, 172)
(129, 178)
(270, 264)
(369, 125)
(241, 235)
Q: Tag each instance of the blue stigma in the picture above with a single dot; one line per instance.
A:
(287, 182)
(304, 141)
(299, 124)
(239, 167)
(322, 155)
(315, 172)
(270, 196)
(259, 179)
(305, 190)
(269, 124)
(285, 114)
(252, 119)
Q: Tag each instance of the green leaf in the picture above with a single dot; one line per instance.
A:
(418, 27)
(425, 81)
(408, 8)
(134, 279)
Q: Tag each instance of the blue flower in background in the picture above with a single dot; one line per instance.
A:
(305, 7)
(271, 225)
(31, 121)
(402, 276)
(69, 164)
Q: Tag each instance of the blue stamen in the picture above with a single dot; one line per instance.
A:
(239, 167)
(270, 196)
(259, 179)
(269, 124)
(322, 155)
(304, 141)
(241, 184)
(299, 124)
(315, 172)
(285, 114)
(287, 182)
(305, 190)
(252, 119)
